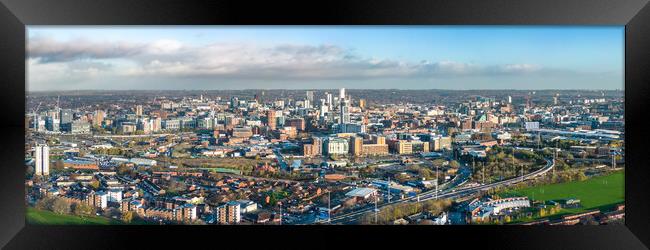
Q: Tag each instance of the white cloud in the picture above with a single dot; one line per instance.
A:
(520, 68)
(83, 59)
(164, 46)
(50, 50)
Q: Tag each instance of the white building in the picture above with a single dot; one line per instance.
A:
(115, 195)
(504, 136)
(247, 206)
(335, 145)
(171, 124)
(440, 219)
(42, 158)
(363, 193)
(506, 203)
(480, 209)
(531, 125)
(143, 162)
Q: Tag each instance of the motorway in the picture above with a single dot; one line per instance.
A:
(352, 217)
(130, 136)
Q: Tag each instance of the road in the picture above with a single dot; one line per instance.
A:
(350, 218)
(130, 136)
(278, 155)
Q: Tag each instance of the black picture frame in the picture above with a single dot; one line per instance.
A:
(16, 14)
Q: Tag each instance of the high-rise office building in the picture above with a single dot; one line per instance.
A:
(344, 109)
(156, 124)
(310, 96)
(234, 102)
(362, 103)
(138, 110)
(42, 159)
(323, 110)
(298, 123)
(351, 128)
(328, 98)
(441, 143)
(378, 139)
(98, 117)
(54, 113)
(356, 146)
(318, 145)
(345, 113)
(270, 119)
(52, 123)
(66, 116)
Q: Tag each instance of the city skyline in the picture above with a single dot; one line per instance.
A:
(367, 57)
(326, 157)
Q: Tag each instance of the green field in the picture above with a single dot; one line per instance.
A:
(42, 217)
(601, 192)
(222, 170)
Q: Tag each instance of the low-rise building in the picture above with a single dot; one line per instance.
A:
(247, 206)
(362, 193)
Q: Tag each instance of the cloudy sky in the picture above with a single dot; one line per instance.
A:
(415, 57)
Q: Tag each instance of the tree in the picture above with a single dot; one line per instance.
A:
(425, 173)
(569, 156)
(111, 211)
(44, 204)
(482, 137)
(507, 219)
(616, 144)
(175, 187)
(60, 206)
(501, 156)
(542, 212)
(123, 169)
(30, 171)
(81, 209)
(589, 220)
(438, 162)
(128, 216)
(580, 176)
(197, 222)
(94, 184)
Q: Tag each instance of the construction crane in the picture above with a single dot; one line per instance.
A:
(34, 111)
